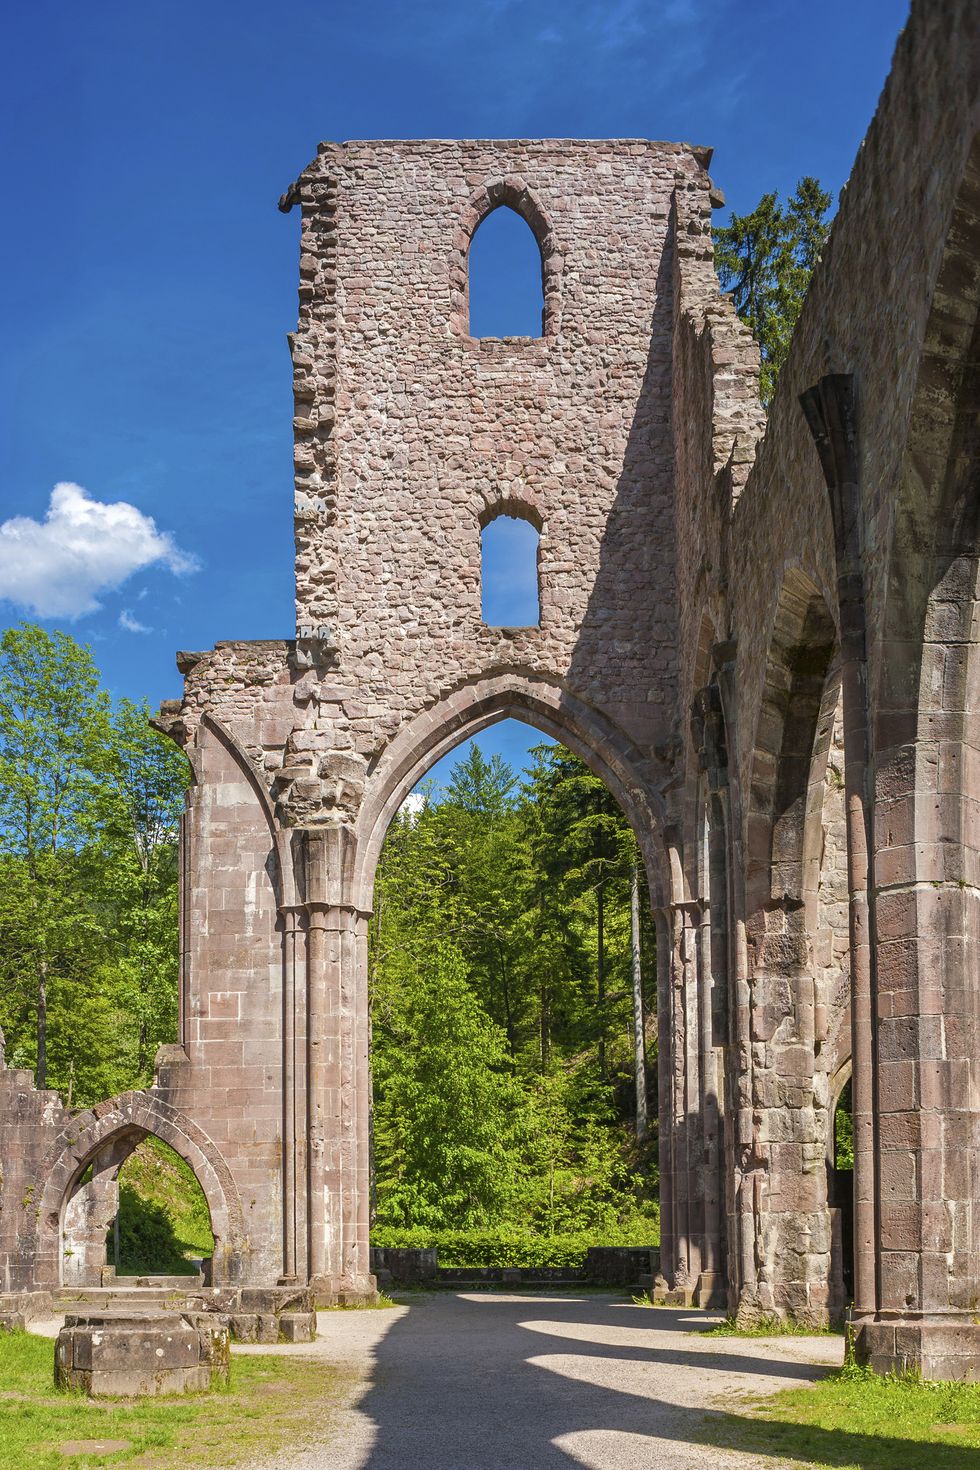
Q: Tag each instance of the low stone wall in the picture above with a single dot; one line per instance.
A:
(615, 1265)
(17, 1308)
(604, 1266)
(253, 1314)
(404, 1266)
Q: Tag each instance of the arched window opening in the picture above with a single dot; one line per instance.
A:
(511, 595)
(162, 1226)
(506, 292)
(509, 993)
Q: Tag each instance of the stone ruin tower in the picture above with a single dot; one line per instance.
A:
(410, 437)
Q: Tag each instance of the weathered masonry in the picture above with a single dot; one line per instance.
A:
(762, 632)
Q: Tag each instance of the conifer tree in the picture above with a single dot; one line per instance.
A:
(765, 259)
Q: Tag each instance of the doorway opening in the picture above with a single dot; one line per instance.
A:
(162, 1225)
(840, 1192)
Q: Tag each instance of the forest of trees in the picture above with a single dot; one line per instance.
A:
(90, 804)
(502, 1008)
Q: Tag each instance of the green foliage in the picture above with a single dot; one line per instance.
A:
(844, 1131)
(765, 259)
(447, 1112)
(501, 1008)
(764, 1327)
(147, 1242)
(90, 801)
(511, 1246)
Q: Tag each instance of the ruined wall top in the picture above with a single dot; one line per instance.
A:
(411, 434)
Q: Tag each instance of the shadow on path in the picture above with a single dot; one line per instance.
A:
(488, 1382)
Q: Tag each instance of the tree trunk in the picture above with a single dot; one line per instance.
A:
(601, 974)
(508, 1009)
(545, 1027)
(639, 1050)
(143, 1035)
(42, 1025)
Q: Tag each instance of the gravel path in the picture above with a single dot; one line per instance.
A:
(481, 1381)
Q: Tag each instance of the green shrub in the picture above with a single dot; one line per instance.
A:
(508, 1246)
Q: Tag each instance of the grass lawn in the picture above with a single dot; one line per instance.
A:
(271, 1401)
(854, 1420)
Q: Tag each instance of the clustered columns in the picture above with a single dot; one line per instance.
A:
(914, 990)
(692, 1248)
(830, 412)
(325, 1059)
(704, 1113)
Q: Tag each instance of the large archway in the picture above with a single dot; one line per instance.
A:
(631, 777)
(508, 1011)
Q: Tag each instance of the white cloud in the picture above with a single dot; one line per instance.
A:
(56, 568)
(127, 621)
(413, 805)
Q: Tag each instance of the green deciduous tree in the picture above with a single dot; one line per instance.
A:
(90, 801)
(53, 752)
(142, 799)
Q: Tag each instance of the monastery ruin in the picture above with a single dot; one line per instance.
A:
(762, 632)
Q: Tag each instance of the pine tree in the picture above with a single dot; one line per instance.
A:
(765, 259)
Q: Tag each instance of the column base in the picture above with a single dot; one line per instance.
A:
(711, 1291)
(664, 1295)
(333, 1291)
(945, 1348)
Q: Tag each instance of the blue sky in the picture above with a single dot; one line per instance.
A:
(147, 280)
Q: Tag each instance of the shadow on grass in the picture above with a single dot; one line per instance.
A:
(809, 1443)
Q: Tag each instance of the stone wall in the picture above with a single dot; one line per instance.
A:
(890, 311)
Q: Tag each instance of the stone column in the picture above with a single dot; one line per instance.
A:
(293, 1079)
(709, 730)
(337, 1080)
(665, 1113)
(916, 1028)
(680, 1102)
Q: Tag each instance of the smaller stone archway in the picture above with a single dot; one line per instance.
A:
(104, 1136)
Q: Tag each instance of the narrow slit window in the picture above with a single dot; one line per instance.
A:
(505, 278)
(509, 573)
